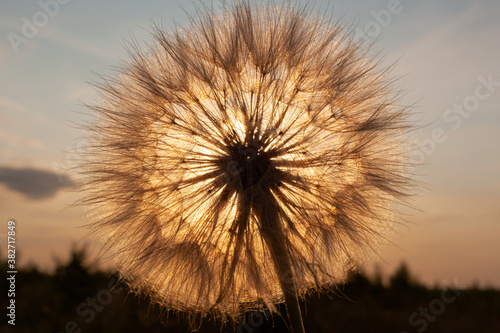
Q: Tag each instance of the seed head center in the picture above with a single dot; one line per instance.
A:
(249, 166)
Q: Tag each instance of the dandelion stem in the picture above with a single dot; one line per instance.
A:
(275, 238)
(287, 283)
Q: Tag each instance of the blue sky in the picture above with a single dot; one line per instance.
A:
(445, 52)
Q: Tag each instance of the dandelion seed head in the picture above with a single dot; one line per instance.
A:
(260, 126)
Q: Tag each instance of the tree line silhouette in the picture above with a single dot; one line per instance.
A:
(78, 297)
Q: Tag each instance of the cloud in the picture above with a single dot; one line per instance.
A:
(13, 112)
(34, 184)
(6, 103)
(79, 44)
(15, 140)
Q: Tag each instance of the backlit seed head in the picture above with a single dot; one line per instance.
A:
(262, 124)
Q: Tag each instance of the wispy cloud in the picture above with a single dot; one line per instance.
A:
(79, 44)
(16, 140)
(6, 103)
(14, 111)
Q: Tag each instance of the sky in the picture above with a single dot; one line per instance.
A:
(446, 56)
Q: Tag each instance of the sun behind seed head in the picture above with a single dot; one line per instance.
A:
(251, 143)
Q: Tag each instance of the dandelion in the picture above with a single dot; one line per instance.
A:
(245, 160)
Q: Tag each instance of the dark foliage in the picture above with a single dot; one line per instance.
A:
(79, 298)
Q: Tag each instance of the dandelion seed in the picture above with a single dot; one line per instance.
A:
(246, 159)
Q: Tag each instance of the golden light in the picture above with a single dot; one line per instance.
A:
(247, 159)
